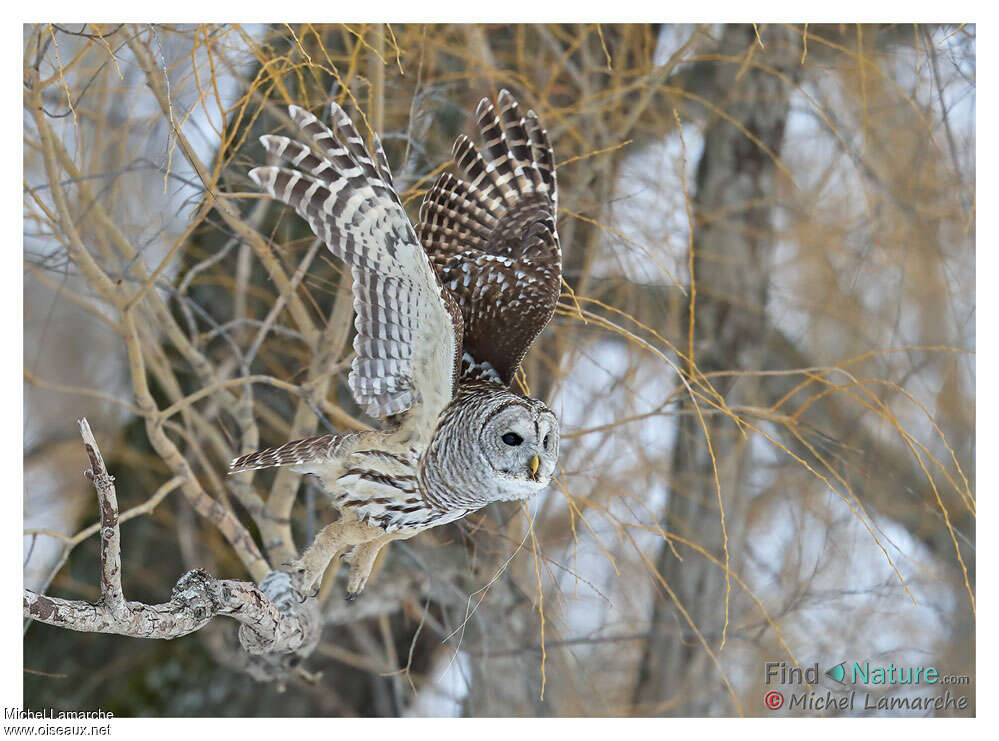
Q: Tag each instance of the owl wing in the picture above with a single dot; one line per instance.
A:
(491, 235)
(409, 328)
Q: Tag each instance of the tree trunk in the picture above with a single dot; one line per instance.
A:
(733, 245)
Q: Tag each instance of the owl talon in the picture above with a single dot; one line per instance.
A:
(351, 596)
(296, 568)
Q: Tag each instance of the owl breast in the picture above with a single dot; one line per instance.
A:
(380, 487)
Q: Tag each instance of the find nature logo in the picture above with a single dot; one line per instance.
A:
(837, 673)
(871, 683)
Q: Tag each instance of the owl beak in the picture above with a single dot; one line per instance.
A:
(533, 465)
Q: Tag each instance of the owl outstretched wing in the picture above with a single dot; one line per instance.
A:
(491, 234)
(409, 329)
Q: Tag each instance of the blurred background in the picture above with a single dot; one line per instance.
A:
(762, 360)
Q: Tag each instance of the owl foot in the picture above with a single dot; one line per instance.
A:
(298, 569)
(331, 541)
(362, 560)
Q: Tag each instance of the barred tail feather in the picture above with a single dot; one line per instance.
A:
(297, 453)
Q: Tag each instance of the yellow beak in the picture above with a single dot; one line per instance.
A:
(533, 465)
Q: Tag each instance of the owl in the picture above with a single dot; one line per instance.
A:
(445, 313)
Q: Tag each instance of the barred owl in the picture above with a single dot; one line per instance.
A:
(444, 316)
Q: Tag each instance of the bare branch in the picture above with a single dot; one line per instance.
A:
(275, 617)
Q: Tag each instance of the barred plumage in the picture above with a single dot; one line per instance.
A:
(492, 236)
(444, 317)
(407, 340)
(295, 453)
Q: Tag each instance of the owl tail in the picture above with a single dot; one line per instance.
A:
(297, 453)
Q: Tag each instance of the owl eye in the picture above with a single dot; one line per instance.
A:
(512, 439)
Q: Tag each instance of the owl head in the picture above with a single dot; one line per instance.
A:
(518, 440)
(490, 445)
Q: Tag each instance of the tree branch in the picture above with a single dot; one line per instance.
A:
(275, 618)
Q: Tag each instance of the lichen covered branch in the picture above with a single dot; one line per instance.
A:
(275, 617)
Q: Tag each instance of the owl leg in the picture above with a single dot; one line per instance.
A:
(335, 538)
(361, 563)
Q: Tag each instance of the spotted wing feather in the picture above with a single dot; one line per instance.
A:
(409, 330)
(491, 234)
